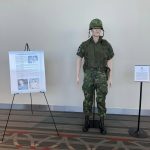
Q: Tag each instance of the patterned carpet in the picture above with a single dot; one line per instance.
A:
(37, 132)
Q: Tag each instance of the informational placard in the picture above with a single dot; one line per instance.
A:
(142, 73)
(27, 71)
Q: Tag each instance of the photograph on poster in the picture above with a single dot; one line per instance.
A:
(32, 59)
(22, 84)
(27, 71)
(142, 73)
(34, 83)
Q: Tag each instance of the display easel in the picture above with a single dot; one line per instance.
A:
(142, 74)
(28, 49)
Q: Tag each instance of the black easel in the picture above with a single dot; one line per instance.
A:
(28, 49)
(137, 132)
(94, 123)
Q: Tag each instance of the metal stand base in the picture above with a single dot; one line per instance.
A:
(137, 133)
(94, 124)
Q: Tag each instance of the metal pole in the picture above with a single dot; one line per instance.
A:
(31, 103)
(141, 84)
(8, 117)
(51, 113)
(94, 109)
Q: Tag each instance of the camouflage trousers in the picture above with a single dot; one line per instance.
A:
(94, 80)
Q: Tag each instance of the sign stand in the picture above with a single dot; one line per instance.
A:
(141, 74)
(28, 49)
(137, 132)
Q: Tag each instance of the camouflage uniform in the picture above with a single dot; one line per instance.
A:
(95, 68)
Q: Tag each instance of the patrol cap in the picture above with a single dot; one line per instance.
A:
(96, 23)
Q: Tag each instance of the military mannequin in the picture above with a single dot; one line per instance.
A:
(97, 54)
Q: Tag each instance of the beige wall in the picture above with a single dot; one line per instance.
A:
(58, 27)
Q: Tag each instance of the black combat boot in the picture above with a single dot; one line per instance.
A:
(102, 126)
(85, 128)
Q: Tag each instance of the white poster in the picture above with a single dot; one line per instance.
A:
(27, 71)
(141, 73)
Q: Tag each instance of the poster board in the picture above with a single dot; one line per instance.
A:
(27, 71)
(142, 73)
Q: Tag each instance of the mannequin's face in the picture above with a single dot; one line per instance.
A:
(96, 32)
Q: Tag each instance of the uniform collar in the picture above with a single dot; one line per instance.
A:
(99, 40)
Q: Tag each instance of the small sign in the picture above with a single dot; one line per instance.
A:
(142, 73)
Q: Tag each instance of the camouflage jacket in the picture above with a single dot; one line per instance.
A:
(95, 55)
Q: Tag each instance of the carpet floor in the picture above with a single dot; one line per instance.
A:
(27, 131)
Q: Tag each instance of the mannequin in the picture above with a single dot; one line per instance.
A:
(97, 54)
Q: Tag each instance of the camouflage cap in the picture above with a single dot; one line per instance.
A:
(96, 23)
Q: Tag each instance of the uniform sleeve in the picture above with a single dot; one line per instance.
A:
(80, 51)
(110, 52)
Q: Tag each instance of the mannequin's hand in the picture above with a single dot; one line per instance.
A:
(109, 82)
(78, 80)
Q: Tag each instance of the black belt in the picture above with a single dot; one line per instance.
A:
(96, 69)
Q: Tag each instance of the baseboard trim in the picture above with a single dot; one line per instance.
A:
(145, 112)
